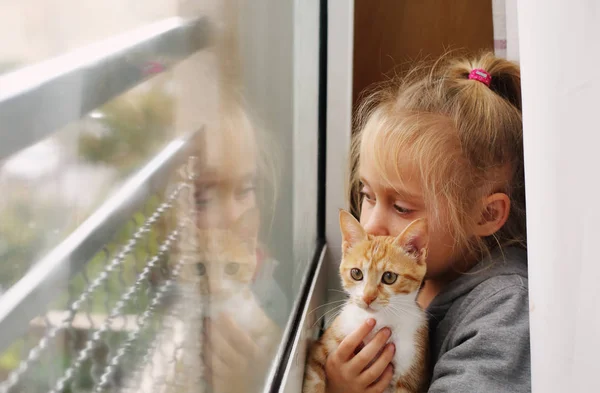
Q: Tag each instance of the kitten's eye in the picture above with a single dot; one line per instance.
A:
(231, 268)
(356, 274)
(201, 268)
(389, 278)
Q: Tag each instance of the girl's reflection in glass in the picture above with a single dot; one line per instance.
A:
(240, 332)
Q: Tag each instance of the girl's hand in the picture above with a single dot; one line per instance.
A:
(231, 357)
(347, 370)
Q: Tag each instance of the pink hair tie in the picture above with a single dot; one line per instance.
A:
(481, 76)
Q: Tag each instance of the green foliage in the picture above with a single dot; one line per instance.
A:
(102, 302)
(10, 359)
(134, 126)
(22, 234)
(136, 123)
(105, 298)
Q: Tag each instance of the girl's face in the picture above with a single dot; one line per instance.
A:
(221, 200)
(227, 173)
(388, 208)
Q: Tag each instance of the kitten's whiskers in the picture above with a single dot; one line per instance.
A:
(408, 303)
(333, 311)
(337, 290)
(399, 309)
(326, 304)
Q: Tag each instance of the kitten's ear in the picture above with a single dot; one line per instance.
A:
(352, 231)
(247, 225)
(414, 239)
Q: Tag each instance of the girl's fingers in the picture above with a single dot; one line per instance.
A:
(237, 337)
(346, 349)
(383, 383)
(224, 349)
(370, 351)
(375, 371)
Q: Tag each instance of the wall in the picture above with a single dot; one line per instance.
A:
(389, 34)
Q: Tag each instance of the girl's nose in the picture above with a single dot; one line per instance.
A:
(225, 212)
(376, 223)
(230, 212)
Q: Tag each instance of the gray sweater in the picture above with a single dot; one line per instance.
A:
(479, 329)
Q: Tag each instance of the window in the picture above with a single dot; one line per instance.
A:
(159, 222)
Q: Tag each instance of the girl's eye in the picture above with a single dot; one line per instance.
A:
(243, 193)
(365, 195)
(389, 278)
(203, 199)
(202, 203)
(402, 210)
(356, 274)
(245, 188)
(231, 268)
(201, 268)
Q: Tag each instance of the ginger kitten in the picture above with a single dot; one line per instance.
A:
(218, 279)
(382, 276)
(225, 265)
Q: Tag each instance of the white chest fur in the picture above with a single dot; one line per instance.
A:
(241, 307)
(404, 328)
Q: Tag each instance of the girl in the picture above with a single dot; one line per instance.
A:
(447, 145)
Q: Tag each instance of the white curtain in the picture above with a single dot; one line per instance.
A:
(559, 55)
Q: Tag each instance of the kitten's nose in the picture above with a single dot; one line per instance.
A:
(368, 299)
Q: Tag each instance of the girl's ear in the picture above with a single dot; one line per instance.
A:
(494, 214)
(352, 231)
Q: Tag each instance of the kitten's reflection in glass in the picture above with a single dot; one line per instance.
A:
(238, 335)
(231, 274)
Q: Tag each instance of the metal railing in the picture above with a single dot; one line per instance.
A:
(34, 102)
(37, 100)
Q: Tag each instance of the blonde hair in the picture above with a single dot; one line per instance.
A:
(463, 138)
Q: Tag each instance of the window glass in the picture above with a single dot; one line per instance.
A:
(159, 242)
(36, 30)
